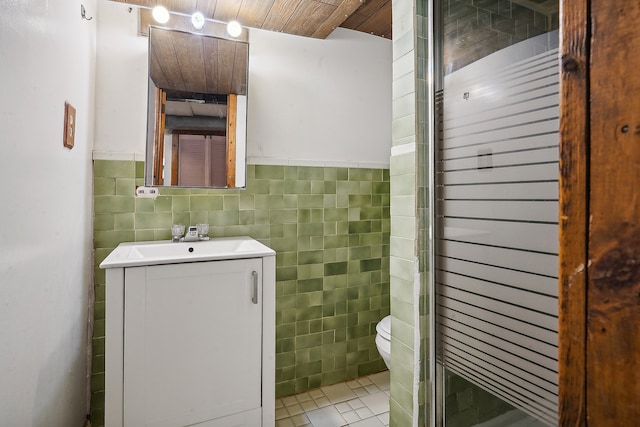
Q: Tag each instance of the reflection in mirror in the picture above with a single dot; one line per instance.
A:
(196, 131)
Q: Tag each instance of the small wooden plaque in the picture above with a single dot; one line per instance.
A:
(69, 125)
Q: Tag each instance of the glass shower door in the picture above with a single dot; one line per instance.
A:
(496, 271)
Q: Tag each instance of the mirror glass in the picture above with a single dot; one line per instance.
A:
(197, 108)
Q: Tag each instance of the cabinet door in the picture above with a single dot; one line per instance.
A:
(192, 342)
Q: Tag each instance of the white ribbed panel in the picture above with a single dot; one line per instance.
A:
(497, 208)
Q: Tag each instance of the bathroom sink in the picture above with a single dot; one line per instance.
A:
(166, 252)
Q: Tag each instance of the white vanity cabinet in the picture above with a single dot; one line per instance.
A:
(191, 343)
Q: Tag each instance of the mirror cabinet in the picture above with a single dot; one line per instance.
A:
(197, 106)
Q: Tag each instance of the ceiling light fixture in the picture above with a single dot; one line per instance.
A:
(160, 14)
(234, 28)
(197, 20)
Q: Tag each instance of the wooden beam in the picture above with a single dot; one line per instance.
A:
(573, 221)
(613, 292)
(342, 12)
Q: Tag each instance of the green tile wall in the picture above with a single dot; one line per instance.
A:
(467, 405)
(330, 229)
(474, 29)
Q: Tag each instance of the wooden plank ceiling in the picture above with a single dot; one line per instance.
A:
(309, 18)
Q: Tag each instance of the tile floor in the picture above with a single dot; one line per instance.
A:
(363, 402)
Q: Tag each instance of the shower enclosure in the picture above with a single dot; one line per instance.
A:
(494, 298)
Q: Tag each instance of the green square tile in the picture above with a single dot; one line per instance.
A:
(310, 285)
(104, 222)
(330, 201)
(180, 203)
(290, 201)
(163, 204)
(359, 200)
(275, 201)
(330, 228)
(356, 174)
(220, 218)
(230, 203)
(297, 187)
(310, 271)
(146, 220)
(261, 201)
(332, 269)
(317, 215)
(317, 187)
(310, 201)
(104, 186)
(269, 172)
(246, 217)
(139, 166)
(302, 328)
(359, 227)
(291, 172)
(124, 221)
(330, 173)
(310, 257)
(206, 203)
(370, 264)
(125, 186)
(313, 229)
(276, 187)
(308, 341)
(114, 168)
(144, 205)
(247, 202)
(258, 187)
(310, 173)
(342, 174)
(347, 187)
(114, 204)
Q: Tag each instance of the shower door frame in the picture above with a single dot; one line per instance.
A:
(435, 369)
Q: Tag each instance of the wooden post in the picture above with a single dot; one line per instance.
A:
(599, 337)
(573, 221)
(613, 292)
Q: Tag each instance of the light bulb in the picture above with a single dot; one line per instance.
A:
(234, 28)
(160, 14)
(197, 20)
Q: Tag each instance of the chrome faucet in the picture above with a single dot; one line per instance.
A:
(194, 233)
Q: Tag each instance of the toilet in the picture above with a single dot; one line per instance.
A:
(383, 340)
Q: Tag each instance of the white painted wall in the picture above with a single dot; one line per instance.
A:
(319, 100)
(311, 102)
(46, 58)
(121, 82)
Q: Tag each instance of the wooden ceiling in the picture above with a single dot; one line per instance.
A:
(309, 18)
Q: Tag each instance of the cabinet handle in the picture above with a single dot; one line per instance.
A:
(254, 298)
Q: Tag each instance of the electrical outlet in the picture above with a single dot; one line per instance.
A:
(147, 192)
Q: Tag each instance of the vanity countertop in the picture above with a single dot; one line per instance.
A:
(134, 254)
